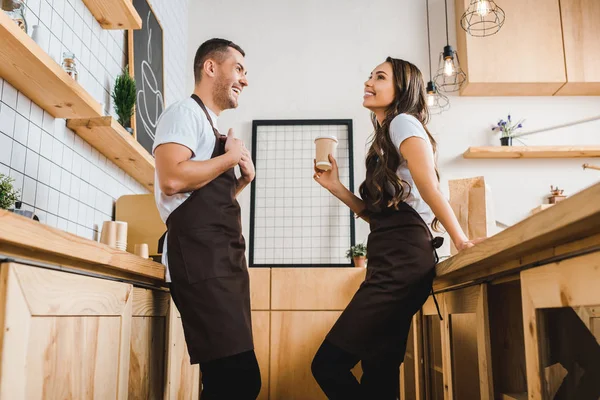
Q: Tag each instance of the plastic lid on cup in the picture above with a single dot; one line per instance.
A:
(326, 137)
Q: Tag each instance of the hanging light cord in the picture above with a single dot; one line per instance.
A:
(428, 41)
(446, 5)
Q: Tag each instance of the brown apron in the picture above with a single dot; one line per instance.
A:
(400, 272)
(207, 263)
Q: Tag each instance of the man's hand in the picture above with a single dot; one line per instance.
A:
(247, 166)
(234, 147)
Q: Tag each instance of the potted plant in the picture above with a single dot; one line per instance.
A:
(508, 129)
(8, 194)
(358, 255)
(123, 96)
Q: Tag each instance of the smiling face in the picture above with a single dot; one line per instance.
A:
(230, 79)
(380, 88)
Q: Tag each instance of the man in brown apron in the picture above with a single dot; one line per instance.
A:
(205, 250)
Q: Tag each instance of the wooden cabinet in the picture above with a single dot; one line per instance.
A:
(562, 333)
(525, 58)
(261, 331)
(581, 36)
(63, 335)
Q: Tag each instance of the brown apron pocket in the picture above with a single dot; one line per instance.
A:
(206, 255)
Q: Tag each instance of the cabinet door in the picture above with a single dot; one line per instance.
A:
(467, 348)
(434, 368)
(65, 336)
(148, 344)
(525, 58)
(581, 35)
(183, 379)
(562, 333)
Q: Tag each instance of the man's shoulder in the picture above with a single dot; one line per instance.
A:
(184, 108)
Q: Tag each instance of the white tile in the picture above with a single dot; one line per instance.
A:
(4, 170)
(17, 160)
(69, 14)
(36, 115)
(75, 187)
(82, 214)
(34, 139)
(73, 209)
(42, 215)
(21, 129)
(60, 129)
(79, 7)
(69, 138)
(6, 145)
(9, 95)
(48, 124)
(34, 6)
(84, 189)
(57, 25)
(7, 120)
(78, 145)
(44, 170)
(29, 187)
(57, 151)
(51, 220)
(32, 161)
(67, 160)
(53, 199)
(76, 168)
(62, 224)
(63, 205)
(41, 196)
(59, 6)
(23, 105)
(55, 175)
(90, 217)
(72, 227)
(46, 145)
(18, 181)
(67, 39)
(55, 49)
(65, 181)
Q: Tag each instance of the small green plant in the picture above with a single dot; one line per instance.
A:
(8, 194)
(123, 96)
(360, 250)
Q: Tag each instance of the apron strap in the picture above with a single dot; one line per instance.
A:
(203, 107)
(437, 307)
(437, 243)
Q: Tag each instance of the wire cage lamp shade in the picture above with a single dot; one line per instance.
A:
(482, 18)
(450, 76)
(437, 102)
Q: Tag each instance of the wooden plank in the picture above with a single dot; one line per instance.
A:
(125, 348)
(150, 303)
(113, 141)
(114, 14)
(33, 72)
(581, 38)
(147, 364)
(464, 301)
(260, 288)
(417, 327)
(575, 218)
(261, 331)
(42, 239)
(484, 345)
(513, 396)
(78, 295)
(314, 288)
(532, 152)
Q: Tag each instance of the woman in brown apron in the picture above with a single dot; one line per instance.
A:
(210, 283)
(374, 327)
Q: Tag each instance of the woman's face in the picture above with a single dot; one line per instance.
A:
(379, 88)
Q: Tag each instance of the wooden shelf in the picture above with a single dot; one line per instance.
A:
(32, 71)
(113, 141)
(114, 14)
(532, 152)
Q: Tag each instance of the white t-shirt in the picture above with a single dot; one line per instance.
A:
(184, 123)
(402, 127)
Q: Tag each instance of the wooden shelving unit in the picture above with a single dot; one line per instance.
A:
(32, 71)
(114, 14)
(532, 152)
(113, 141)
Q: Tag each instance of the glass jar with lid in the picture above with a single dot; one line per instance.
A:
(69, 64)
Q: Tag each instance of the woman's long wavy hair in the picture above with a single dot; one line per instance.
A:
(383, 158)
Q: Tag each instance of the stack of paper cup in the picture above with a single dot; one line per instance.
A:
(141, 250)
(109, 234)
(121, 241)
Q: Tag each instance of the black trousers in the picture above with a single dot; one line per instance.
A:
(332, 367)
(234, 377)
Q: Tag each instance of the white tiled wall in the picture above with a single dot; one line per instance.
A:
(68, 184)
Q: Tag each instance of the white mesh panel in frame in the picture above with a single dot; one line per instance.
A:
(294, 221)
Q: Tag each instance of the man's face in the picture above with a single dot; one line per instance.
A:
(230, 80)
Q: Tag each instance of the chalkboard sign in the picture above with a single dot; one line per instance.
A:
(147, 67)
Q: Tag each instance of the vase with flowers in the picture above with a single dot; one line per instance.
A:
(508, 130)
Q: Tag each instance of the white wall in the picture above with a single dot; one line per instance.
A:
(309, 59)
(68, 184)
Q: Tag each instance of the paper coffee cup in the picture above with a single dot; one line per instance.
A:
(141, 250)
(109, 234)
(121, 231)
(325, 145)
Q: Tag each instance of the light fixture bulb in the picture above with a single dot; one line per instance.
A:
(430, 99)
(483, 7)
(448, 66)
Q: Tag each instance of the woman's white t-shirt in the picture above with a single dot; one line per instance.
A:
(404, 126)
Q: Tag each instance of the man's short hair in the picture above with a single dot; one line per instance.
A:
(213, 48)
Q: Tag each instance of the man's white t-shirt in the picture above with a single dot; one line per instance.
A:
(402, 127)
(183, 123)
